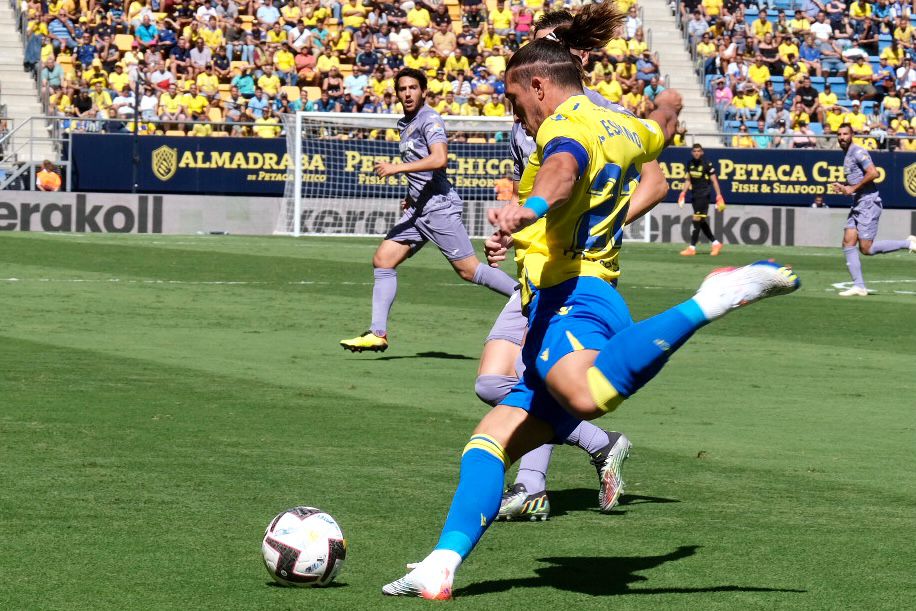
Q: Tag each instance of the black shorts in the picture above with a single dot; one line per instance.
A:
(702, 198)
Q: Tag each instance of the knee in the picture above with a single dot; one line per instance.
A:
(865, 250)
(466, 273)
(491, 389)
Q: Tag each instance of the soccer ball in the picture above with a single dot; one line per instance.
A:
(303, 546)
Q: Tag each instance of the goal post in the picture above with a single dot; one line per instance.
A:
(332, 188)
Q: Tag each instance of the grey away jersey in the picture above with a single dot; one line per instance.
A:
(856, 162)
(424, 129)
(522, 145)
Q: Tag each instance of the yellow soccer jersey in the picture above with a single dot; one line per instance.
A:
(580, 237)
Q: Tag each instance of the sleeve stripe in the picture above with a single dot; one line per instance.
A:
(561, 144)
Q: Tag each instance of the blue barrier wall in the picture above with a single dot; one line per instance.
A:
(255, 166)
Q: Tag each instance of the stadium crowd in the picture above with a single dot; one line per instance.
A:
(241, 64)
(781, 73)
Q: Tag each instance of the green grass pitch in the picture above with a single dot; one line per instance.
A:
(164, 397)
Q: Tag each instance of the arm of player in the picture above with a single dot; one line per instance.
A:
(437, 160)
(554, 184)
(652, 189)
(871, 174)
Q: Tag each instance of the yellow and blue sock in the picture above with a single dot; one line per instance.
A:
(476, 501)
(635, 355)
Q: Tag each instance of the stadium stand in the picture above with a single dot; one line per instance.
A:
(175, 63)
(805, 68)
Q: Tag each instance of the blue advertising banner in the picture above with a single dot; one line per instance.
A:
(341, 168)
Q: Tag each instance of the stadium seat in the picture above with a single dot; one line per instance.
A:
(124, 42)
(174, 132)
(818, 83)
(314, 92)
(868, 106)
(292, 92)
(817, 128)
(838, 86)
(731, 126)
(884, 41)
(709, 79)
(219, 134)
(215, 114)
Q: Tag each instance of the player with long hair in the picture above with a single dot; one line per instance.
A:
(583, 353)
(500, 365)
(432, 212)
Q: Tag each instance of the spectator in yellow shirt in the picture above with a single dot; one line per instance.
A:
(860, 75)
(706, 48)
(637, 44)
(456, 63)
(617, 48)
(711, 9)
(834, 119)
(743, 139)
(354, 15)
(212, 35)
(610, 88)
(118, 79)
(759, 72)
(794, 71)
(266, 126)
(909, 143)
(857, 119)
(494, 107)
(496, 63)
(269, 82)
(826, 98)
(208, 82)
(417, 16)
(171, 105)
(787, 48)
(799, 24)
(285, 64)
(501, 19)
(761, 26)
(448, 105)
(195, 104)
(101, 100)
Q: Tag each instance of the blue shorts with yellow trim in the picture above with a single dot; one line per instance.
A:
(579, 314)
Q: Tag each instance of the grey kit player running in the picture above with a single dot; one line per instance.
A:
(432, 212)
(862, 224)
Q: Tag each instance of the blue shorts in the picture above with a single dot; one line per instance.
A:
(579, 314)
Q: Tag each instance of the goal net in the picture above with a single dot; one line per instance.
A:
(332, 188)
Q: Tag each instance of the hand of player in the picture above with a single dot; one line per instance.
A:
(720, 203)
(680, 199)
(496, 247)
(510, 218)
(384, 169)
(841, 188)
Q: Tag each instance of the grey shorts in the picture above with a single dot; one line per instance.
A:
(510, 325)
(865, 215)
(438, 222)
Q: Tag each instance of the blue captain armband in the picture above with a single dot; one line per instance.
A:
(537, 204)
(561, 144)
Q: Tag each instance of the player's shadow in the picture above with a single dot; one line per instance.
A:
(430, 355)
(604, 577)
(586, 499)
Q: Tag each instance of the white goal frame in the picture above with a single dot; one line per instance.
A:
(454, 124)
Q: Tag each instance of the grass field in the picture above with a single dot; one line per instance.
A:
(164, 397)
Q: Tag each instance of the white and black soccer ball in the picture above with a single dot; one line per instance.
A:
(304, 547)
